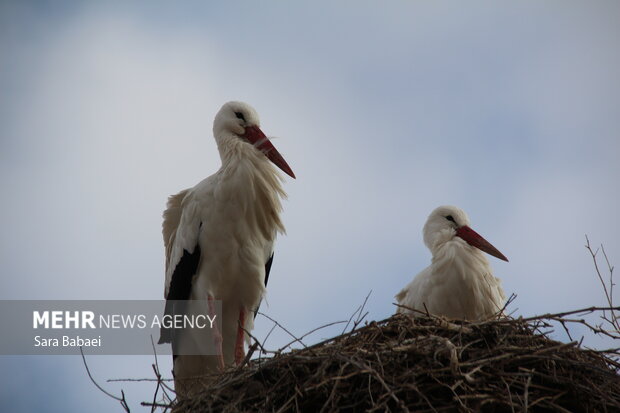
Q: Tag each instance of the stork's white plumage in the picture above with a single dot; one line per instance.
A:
(219, 236)
(459, 283)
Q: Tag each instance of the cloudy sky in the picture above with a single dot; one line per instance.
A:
(510, 111)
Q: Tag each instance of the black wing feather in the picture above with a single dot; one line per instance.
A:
(267, 271)
(268, 268)
(180, 286)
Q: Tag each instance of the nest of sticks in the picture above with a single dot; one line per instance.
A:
(426, 364)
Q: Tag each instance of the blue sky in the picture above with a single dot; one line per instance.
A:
(510, 111)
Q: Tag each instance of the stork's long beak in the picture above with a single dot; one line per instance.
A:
(257, 138)
(476, 240)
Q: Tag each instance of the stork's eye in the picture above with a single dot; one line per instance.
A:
(450, 218)
(239, 115)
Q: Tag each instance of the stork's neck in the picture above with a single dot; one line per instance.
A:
(251, 181)
(457, 253)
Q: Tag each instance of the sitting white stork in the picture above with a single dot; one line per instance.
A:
(219, 238)
(459, 283)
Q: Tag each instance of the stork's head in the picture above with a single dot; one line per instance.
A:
(239, 122)
(447, 222)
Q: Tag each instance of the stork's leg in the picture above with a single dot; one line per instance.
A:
(217, 335)
(239, 351)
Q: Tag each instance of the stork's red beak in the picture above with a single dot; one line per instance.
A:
(476, 240)
(257, 138)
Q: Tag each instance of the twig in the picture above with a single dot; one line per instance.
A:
(310, 332)
(583, 311)
(156, 371)
(512, 297)
(283, 328)
(267, 336)
(121, 399)
(256, 342)
(135, 380)
(608, 292)
(359, 310)
(165, 406)
(526, 394)
(248, 356)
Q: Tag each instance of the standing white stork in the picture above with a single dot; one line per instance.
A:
(219, 238)
(459, 283)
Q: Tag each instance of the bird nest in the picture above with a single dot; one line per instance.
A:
(426, 364)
